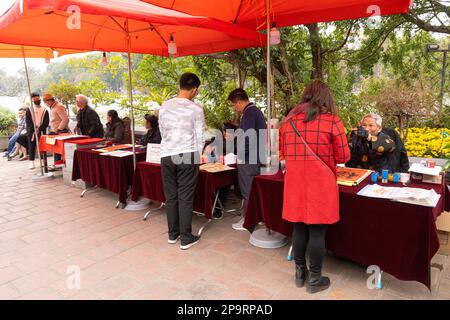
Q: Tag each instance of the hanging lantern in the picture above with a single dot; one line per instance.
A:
(172, 47)
(104, 61)
(55, 54)
(47, 59)
(275, 36)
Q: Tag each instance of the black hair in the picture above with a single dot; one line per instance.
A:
(114, 115)
(152, 119)
(229, 126)
(319, 98)
(35, 94)
(22, 109)
(238, 94)
(189, 81)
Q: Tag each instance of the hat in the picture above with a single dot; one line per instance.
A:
(48, 96)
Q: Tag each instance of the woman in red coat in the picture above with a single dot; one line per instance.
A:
(312, 142)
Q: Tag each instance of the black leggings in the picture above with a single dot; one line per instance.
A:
(313, 237)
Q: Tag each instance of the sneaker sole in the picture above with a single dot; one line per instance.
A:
(239, 228)
(173, 241)
(185, 247)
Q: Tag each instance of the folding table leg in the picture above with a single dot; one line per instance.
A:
(289, 256)
(236, 212)
(85, 190)
(379, 284)
(203, 227)
(151, 210)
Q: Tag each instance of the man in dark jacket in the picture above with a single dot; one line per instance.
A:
(400, 157)
(40, 120)
(251, 144)
(377, 148)
(88, 121)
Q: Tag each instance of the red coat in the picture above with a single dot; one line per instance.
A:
(311, 192)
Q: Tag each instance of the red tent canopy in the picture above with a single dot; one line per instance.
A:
(106, 24)
(251, 13)
(17, 51)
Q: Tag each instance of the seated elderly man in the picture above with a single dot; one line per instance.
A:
(88, 121)
(376, 148)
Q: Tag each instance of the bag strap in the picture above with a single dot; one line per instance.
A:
(308, 147)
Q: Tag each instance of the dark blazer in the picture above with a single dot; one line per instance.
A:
(89, 123)
(400, 156)
(152, 136)
(115, 132)
(30, 126)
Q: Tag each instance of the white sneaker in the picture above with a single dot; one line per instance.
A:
(239, 225)
(31, 166)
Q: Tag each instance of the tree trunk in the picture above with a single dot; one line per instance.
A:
(316, 51)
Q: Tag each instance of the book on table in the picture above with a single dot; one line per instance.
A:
(351, 176)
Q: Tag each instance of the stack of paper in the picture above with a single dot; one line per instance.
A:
(215, 167)
(418, 196)
(117, 153)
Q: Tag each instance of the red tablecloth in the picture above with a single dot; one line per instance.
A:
(58, 147)
(398, 237)
(112, 173)
(148, 183)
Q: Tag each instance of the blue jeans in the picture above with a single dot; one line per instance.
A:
(12, 143)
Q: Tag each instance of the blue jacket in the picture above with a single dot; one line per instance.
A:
(252, 119)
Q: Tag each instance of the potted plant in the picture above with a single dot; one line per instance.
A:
(8, 124)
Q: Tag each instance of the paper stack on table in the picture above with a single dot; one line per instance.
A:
(117, 153)
(215, 167)
(418, 196)
(116, 147)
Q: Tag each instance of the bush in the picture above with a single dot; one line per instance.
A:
(7, 122)
(428, 142)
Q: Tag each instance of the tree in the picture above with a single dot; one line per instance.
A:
(65, 92)
(403, 101)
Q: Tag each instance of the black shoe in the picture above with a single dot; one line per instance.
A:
(173, 239)
(190, 243)
(217, 214)
(317, 283)
(301, 275)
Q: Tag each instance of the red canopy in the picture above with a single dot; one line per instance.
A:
(17, 51)
(251, 13)
(106, 24)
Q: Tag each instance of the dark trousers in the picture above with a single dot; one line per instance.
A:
(31, 147)
(246, 173)
(179, 182)
(311, 236)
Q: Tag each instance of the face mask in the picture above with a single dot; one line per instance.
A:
(37, 102)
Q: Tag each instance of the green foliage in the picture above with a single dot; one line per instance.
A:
(7, 122)
(65, 92)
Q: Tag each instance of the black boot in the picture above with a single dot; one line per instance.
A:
(301, 275)
(317, 283)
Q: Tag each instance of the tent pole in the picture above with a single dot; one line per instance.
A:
(269, 144)
(36, 136)
(130, 88)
